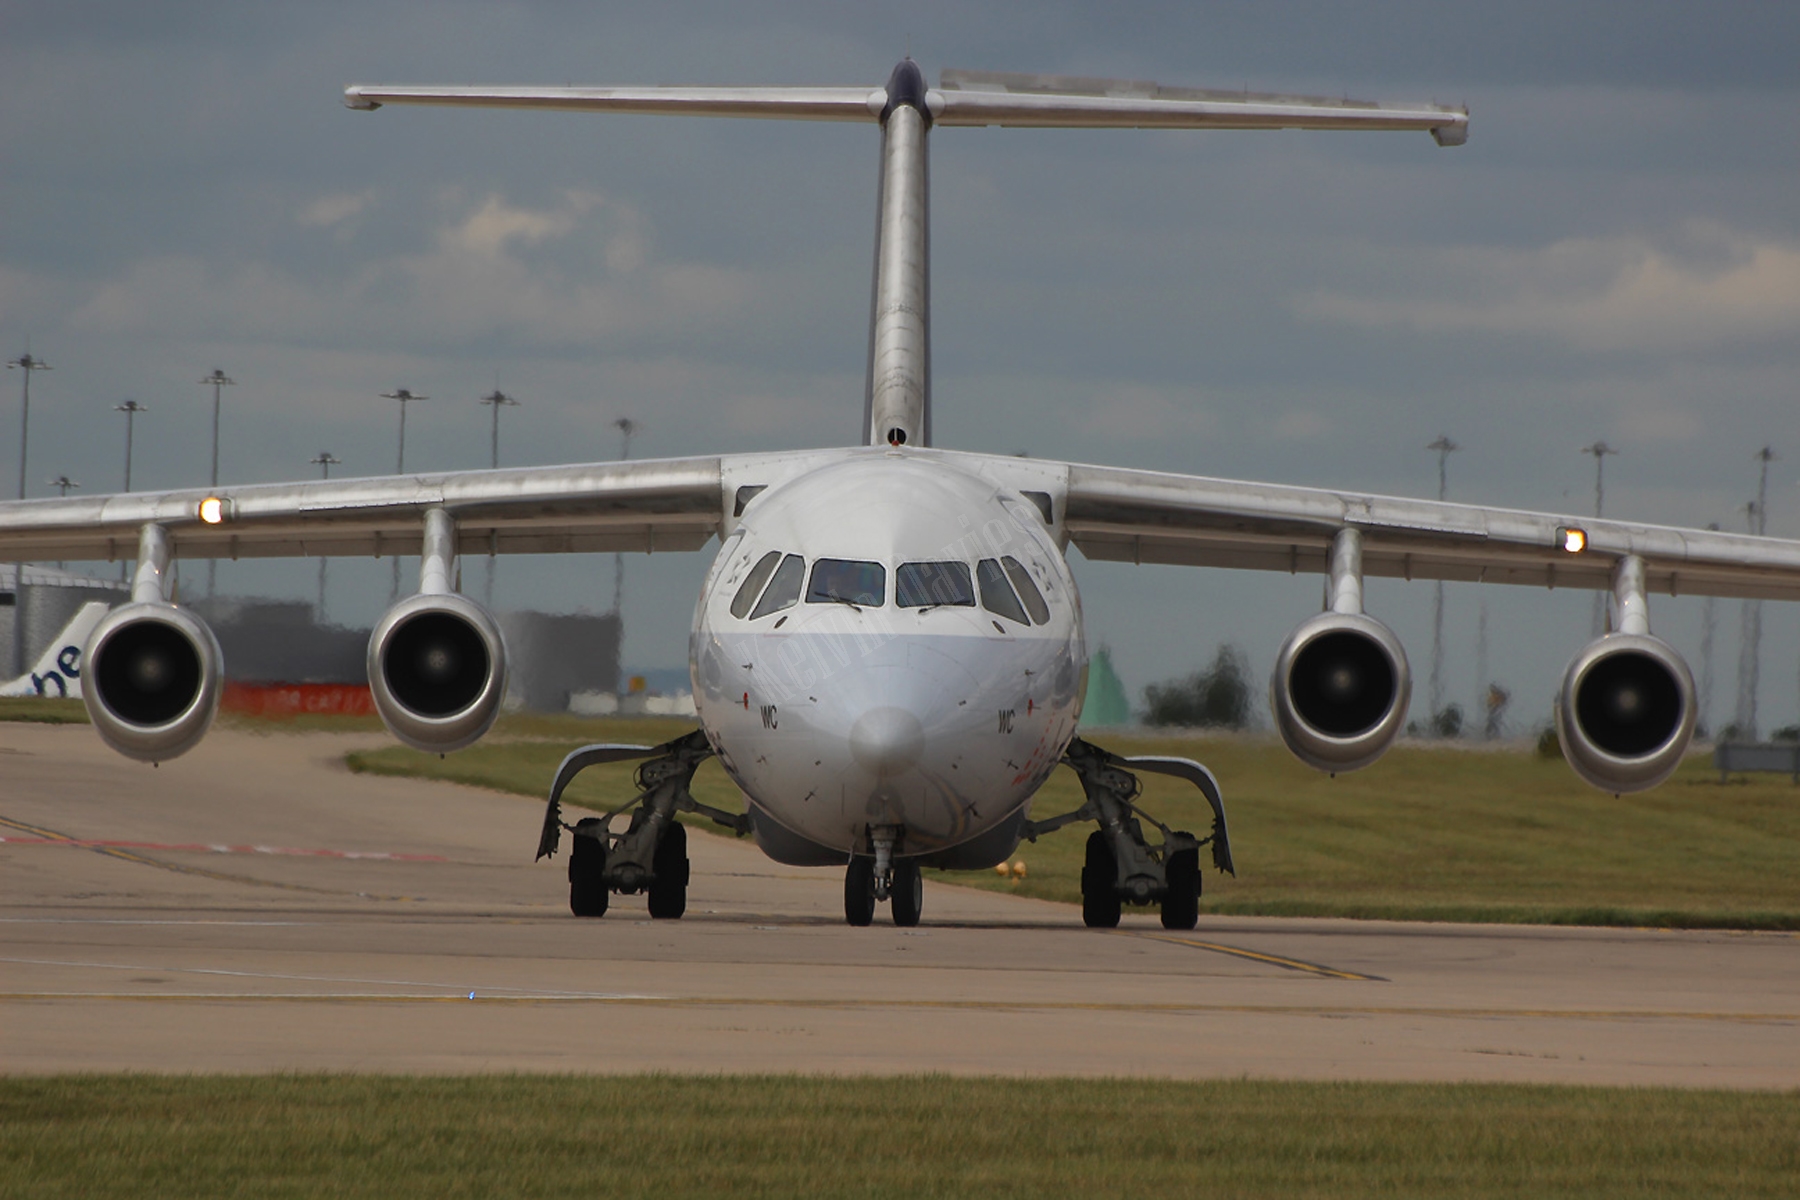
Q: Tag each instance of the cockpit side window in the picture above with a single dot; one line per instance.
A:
(784, 589)
(1028, 592)
(996, 594)
(837, 580)
(753, 584)
(930, 584)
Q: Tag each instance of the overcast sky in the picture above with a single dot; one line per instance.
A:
(1615, 254)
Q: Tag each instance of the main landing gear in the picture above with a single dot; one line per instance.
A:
(870, 879)
(651, 855)
(1121, 866)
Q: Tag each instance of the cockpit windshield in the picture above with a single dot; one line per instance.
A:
(784, 589)
(929, 584)
(996, 594)
(841, 581)
(753, 584)
(1028, 592)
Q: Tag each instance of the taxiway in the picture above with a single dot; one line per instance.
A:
(257, 907)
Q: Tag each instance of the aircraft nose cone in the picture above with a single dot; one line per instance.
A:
(887, 741)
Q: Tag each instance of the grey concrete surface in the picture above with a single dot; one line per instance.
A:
(183, 918)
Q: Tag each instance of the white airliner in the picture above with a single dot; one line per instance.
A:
(57, 672)
(887, 653)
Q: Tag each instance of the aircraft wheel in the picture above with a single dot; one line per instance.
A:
(908, 899)
(588, 896)
(859, 890)
(1100, 902)
(1181, 904)
(668, 895)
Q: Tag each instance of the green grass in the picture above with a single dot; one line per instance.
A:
(1428, 833)
(347, 1136)
(40, 710)
(522, 753)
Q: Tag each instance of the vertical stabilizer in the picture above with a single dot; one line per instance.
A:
(58, 669)
(897, 402)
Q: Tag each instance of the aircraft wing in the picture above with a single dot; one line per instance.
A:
(1127, 515)
(652, 504)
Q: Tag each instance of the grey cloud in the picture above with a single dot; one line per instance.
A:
(1611, 255)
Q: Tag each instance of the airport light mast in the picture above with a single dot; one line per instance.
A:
(1599, 450)
(404, 397)
(495, 400)
(62, 484)
(1445, 448)
(1709, 624)
(131, 408)
(626, 427)
(1750, 638)
(218, 379)
(26, 363)
(324, 460)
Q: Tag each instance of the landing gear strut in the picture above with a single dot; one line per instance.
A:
(651, 855)
(1121, 866)
(870, 879)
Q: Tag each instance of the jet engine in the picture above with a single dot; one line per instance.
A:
(1340, 690)
(437, 671)
(1626, 712)
(151, 680)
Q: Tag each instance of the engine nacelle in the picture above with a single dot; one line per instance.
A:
(437, 671)
(151, 680)
(1626, 712)
(1340, 690)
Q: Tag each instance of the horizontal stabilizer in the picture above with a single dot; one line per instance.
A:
(962, 98)
(793, 103)
(1059, 101)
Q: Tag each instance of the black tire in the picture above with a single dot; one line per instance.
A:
(859, 890)
(1100, 902)
(908, 899)
(668, 895)
(588, 896)
(1181, 904)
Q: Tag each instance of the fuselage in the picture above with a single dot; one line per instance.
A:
(889, 643)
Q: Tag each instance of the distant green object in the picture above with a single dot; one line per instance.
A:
(1216, 697)
(1105, 703)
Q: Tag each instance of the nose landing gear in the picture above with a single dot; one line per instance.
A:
(868, 880)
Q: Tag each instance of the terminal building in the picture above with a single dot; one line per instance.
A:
(36, 603)
(555, 662)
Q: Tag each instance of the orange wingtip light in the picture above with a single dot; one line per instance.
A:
(215, 510)
(1571, 539)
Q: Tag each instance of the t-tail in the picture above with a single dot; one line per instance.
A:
(897, 392)
(58, 670)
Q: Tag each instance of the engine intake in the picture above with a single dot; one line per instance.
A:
(153, 680)
(437, 671)
(1626, 712)
(1340, 690)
